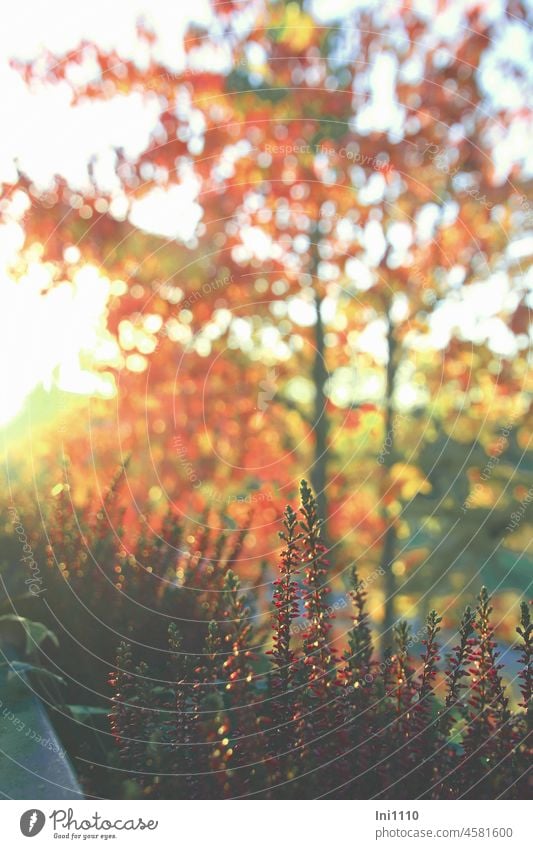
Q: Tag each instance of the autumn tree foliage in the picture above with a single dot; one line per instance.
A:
(325, 219)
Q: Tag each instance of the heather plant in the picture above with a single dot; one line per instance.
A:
(109, 572)
(205, 705)
(525, 631)
(315, 724)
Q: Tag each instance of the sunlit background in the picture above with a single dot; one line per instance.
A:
(57, 335)
(193, 322)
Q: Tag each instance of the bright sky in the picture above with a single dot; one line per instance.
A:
(52, 336)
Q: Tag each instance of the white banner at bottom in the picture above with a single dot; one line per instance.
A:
(242, 824)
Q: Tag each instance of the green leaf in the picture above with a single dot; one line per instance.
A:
(18, 670)
(30, 634)
(84, 712)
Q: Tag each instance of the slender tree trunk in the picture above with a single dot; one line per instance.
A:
(321, 425)
(389, 543)
(387, 560)
(320, 421)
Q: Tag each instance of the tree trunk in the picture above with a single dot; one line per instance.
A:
(389, 543)
(319, 470)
